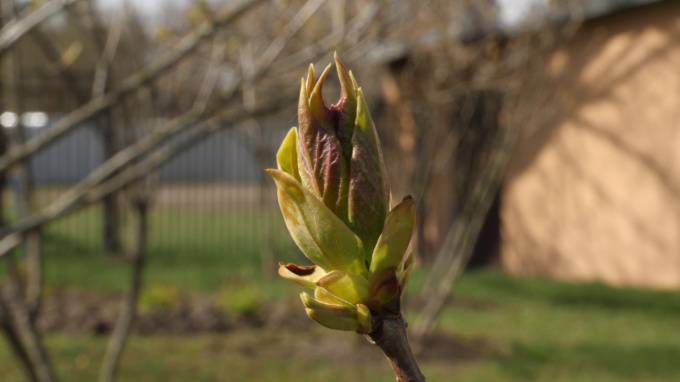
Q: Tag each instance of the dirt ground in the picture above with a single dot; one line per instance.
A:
(77, 312)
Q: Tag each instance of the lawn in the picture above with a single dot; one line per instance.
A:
(497, 328)
(191, 249)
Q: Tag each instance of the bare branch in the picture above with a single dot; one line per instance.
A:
(14, 342)
(153, 161)
(23, 188)
(96, 105)
(460, 239)
(85, 192)
(18, 321)
(15, 30)
(53, 55)
(109, 50)
(87, 195)
(358, 24)
(391, 337)
(210, 80)
(299, 20)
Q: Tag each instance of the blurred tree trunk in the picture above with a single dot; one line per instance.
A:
(20, 328)
(111, 206)
(486, 250)
(10, 333)
(477, 122)
(106, 43)
(22, 187)
(17, 318)
(408, 138)
(128, 312)
(15, 343)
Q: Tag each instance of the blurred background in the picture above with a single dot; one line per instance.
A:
(140, 237)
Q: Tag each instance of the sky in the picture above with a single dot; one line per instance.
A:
(512, 12)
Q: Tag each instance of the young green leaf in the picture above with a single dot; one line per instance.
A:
(305, 275)
(393, 242)
(286, 157)
(320, 235)
(350, 288)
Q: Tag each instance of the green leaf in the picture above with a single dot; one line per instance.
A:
(364, 318)
(286, 157)
(393, 242)
(307, 276)
(336, 317)
(404, 271)
(353, 289)
(306, 132)
(322, 294)
(320, 235)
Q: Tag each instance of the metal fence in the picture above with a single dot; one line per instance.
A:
(212, 197)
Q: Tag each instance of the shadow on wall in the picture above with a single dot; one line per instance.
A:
(593, 192)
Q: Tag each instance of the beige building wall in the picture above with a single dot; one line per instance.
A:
(594, 193)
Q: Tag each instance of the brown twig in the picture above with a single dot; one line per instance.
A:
(391, 337)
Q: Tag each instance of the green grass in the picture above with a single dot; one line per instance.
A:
(497, 328)
(560, 332)
(199, 358)
(195, 250)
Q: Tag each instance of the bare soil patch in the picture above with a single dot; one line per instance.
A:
(277, 325)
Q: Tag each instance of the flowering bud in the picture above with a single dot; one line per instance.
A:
(340, 158)
(333, 194)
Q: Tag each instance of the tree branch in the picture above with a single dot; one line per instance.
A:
(93, 193)
(459, 242)
(52, 54)
(391, 337)
(13, 31)
(15, 344)
(73, 198)
(96, 105)
(21, 327)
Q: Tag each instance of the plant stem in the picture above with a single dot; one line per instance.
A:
(390, 336)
